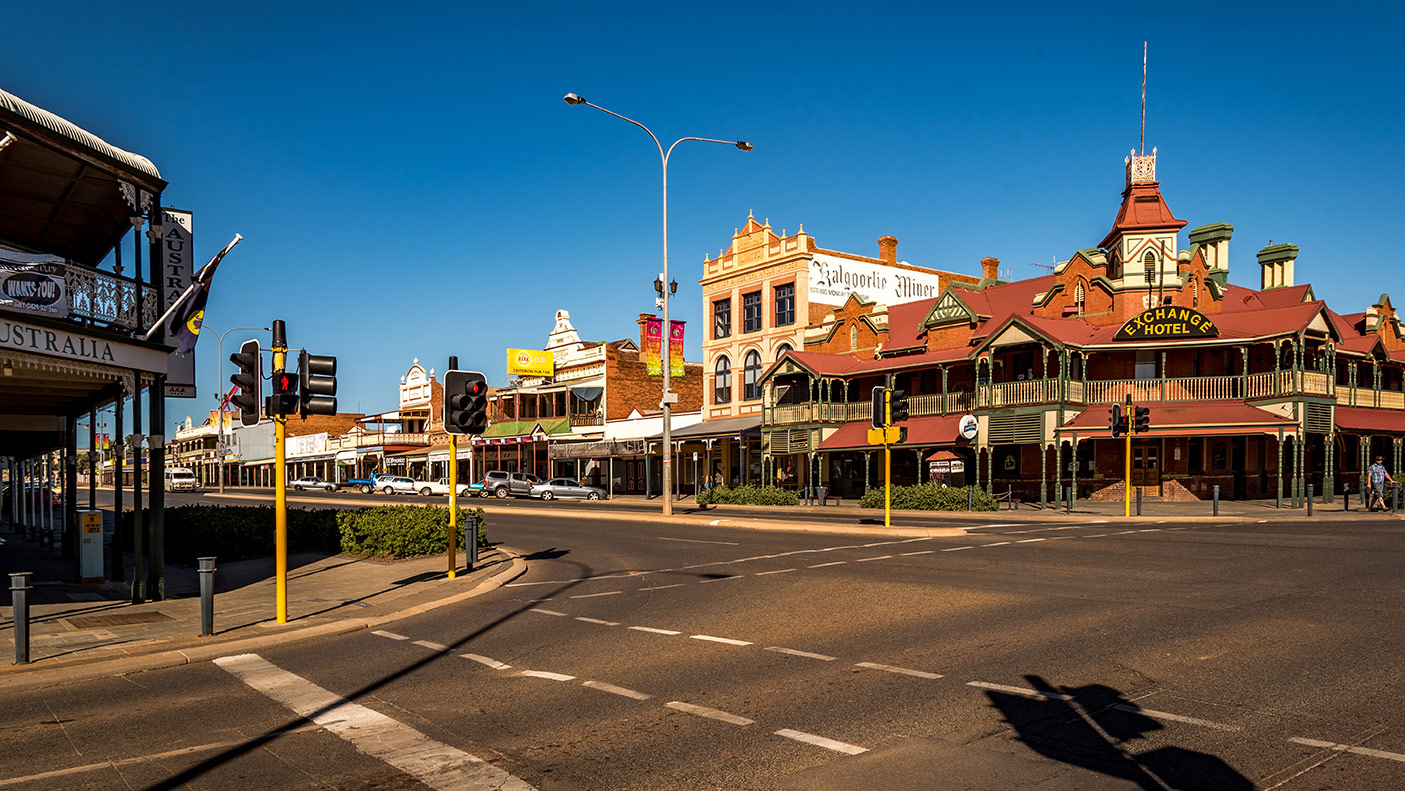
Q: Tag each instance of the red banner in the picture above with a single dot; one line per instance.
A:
(675, 348)
(653, 337)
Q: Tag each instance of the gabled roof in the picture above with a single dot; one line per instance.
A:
(1238, 298)
(1143, 209)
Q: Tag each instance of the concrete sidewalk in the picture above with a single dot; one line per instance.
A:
(86, 631)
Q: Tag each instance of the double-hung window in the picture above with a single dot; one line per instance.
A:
(785, 304)
(722, 381)
(722, 318)
(751, 312)
(751, 376)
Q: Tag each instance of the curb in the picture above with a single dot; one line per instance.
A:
(50, 677)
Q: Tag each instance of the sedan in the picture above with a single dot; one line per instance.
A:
(311, 482)
(396, 484)
(565, 488)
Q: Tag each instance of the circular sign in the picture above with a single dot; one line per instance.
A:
(968, 427)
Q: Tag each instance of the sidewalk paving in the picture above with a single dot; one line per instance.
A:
(80, 631)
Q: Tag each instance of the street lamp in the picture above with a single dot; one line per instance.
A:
(219, 400)
(669, 399)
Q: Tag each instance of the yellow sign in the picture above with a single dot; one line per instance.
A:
(891, 435)
(1167, 322)
(530, 362)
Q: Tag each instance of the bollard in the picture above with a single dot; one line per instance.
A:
(1309, 499)
(1346, 496)
(970, 498)
(470, 541)
(1394, 498)
(1217, 499)
(207, 596)
(19, 600)
(1068, 499)
(1139, 501)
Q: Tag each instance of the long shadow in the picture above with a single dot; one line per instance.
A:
(1094, 727)
(189, 775)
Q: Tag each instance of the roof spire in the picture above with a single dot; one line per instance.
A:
(1143, 146)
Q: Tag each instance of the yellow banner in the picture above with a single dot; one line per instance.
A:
(530, 362)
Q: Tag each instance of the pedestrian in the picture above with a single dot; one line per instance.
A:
(1378, 478)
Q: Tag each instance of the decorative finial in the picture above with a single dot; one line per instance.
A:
(768, 222)
(802, 228)
(748, 214)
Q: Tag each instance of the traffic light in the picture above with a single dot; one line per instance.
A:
(1142, 421)
(1116, 421)
(465, 402)
(880, 406)
(249, 380)
(284, 400)
(319, 384)
(897, 407)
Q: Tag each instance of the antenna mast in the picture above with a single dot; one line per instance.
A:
(1143, 147)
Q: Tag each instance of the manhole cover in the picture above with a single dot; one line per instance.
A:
(119, 619)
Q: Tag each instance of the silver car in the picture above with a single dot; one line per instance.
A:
(565, 488)
(312, 482)
(396, 484)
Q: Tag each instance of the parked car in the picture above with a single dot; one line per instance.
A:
(396, 484)
(502, 484)
(312, 482)
(565, 488)
(367, 485)
(441, 486)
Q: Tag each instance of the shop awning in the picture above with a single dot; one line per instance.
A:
(1370, 421)
(921, 432)
(597, 450)
(726, 427)
(1186, 419)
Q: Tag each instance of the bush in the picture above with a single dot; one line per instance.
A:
(928, 497)
(237, 532)
(402, 531)
(748, 495)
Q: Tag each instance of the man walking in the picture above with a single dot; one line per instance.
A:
(1378, 477)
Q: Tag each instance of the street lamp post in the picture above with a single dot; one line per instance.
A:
(669, 399)
(219, 400)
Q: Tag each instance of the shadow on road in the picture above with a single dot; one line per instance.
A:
(1095, 728)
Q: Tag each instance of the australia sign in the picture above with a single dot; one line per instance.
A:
(1167, 323)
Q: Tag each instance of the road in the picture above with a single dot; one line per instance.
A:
(637, 655)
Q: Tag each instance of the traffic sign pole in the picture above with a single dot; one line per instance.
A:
(887, 458)
(280, 490)
(454, 492)
(1127, 482)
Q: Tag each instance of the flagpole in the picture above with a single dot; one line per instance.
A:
(165, 317)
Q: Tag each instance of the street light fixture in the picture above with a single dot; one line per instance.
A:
(668, 396)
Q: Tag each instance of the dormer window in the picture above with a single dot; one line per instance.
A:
(1149, 261)
(1078, 295)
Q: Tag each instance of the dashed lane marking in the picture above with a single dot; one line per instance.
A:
(996, 544)
(956, 549)
(777, 571)
(1150, 530)
(433, 763)
(548, 612)
(727, 640)
(483, 660)
(597, 620)
(988, 527)
(880, 557)
(1124, 532)
(901, 670)
(391, 635)
(1030, 540)
(546, 675)
(831, 563)
(699, 541)
(712, 714)
(597, 595)
(923, 552)
(1164, 715)
(1346, 748)
(820, 741)
(1027, 692)
(664, 587)
(806, 654)
(432, 646)
(652, 630)
(720, 579)
(614, 690)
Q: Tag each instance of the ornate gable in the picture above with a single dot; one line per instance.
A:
(951, 309)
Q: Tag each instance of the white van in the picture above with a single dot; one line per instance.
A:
(181, 479)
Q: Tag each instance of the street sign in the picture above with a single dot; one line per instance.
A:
(891, 435)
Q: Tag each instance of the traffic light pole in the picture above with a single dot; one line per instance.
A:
(454, 493)
(1127, 485)
(887, 459)
(280, 491)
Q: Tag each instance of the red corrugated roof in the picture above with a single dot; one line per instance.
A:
(921, 432)
(1142, 209)
(1178, 418)
(1356, 418)
(905, 324)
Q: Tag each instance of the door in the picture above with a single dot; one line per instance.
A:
(1146, 469)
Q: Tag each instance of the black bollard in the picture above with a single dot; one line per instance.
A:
(1309, 499)
(1217, 499)
(1139, 501)
(1068, 499)
(19, 600)
(207, 596)
(970, 498)
(1394, 498)
(1346, 496)
(470, 541)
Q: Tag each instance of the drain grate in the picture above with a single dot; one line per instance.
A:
(118, 619)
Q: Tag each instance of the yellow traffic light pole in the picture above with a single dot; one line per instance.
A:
(454, 505)
(1127, 486)
(280, 490)
(887, 458)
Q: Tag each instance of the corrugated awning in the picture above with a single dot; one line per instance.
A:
(921, 432)
(1370, 421)
(1187, 419)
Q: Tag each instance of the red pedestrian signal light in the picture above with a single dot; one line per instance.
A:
(284, 400)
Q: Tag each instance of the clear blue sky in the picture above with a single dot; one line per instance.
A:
(410, 184)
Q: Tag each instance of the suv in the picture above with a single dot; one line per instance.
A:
(501, 484)
(396, 484)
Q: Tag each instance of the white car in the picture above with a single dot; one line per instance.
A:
(311, 482)
(396, 484)
(441, 486)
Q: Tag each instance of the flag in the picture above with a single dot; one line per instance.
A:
(182, 320)
(653, 336)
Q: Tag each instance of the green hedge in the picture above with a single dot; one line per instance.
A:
(748, 495)
(928, 497)
(402, 531)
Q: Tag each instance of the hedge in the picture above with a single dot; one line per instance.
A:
(748, 495)
(928, 497)
(402, 531)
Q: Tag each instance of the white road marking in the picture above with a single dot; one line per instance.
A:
(957, 549)
(611, 688)
(832, 563)
(483, 660)
(27, 779)
(715, 522)
(652, 630)
(903, 670)
(1175, 528)
(1124, 532)
(546, 675)
(597, 620)
(703, 711)
(391, 635)
(820, 741)
(548, 612)
(1164, 715)
(432, 646)
(1031, 540)
(778, 571)
(727, 640)
(699, 541)
(594, 595)
(1098, 522)
(806, 654)
(1061, 538)
(987, 527)
(1096, 535)
(720, 579)
(1346, 748)
(880, 557)
(664, 587)
(996, 544)
(923, 552)
(1033, 693)
(433, 763)
(1150, 530)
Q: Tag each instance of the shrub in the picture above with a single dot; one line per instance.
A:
(748, 495)
(237, 532)
(928, 497)
(402, 531)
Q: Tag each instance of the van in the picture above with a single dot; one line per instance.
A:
(181, 479)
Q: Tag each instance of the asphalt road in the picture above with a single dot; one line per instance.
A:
(635, 655)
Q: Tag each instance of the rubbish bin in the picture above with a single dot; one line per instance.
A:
(820, 493)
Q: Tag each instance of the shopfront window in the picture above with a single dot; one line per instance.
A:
(722, 381)
(751, 376)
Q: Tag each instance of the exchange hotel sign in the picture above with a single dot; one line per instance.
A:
(833, 279)
(1167, 323)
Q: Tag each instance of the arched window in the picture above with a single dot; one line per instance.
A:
(853, 336)
(1149, 262)
(722, 381)
(780, 352)
(1079, 293)
(751, 376)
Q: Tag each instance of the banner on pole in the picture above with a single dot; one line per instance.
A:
(675, 348)
(653, 348)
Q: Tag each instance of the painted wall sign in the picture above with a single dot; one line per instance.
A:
(833, 279)
(177, 266)
(33, 284)
(530, 362)
(1166, 323)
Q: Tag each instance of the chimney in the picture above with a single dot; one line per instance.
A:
(1276, 262)
(1215, 239)
(644, 330)
(990, 268)
(888, 249)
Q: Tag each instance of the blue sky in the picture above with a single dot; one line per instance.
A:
(410, 184)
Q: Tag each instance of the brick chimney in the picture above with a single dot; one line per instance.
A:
(643, 329)
(990, 268)
(1276, 262)
(888, 249)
